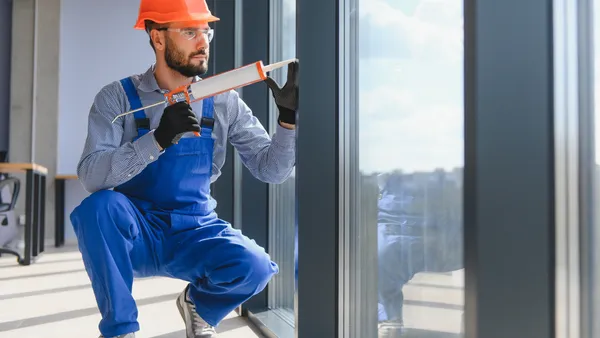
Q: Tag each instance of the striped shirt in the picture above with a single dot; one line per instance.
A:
(111, 157)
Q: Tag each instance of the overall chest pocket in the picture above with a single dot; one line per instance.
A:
(192, 156)
(196, 162)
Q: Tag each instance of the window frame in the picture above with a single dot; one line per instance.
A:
(319, 159)
(509, 127)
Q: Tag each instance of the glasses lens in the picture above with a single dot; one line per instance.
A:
(193, 33)
(188, 33)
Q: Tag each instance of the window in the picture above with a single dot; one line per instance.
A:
(282, 210)
(403, 72)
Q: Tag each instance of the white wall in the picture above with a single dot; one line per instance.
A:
(33, 120)
(98, 45)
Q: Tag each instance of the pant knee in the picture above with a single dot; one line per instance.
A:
(97, 201)
(258, 267)
(101, 210)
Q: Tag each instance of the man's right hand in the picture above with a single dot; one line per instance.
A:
(176, 120)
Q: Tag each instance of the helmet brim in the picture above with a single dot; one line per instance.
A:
(168, 18)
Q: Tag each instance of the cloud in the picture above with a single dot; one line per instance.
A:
(401, 129)
(380, 43)
(411, 101)
(434, 28)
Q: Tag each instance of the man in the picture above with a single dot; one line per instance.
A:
(159, 219)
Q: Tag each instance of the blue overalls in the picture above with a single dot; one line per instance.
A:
(400, 248)
(162, 223)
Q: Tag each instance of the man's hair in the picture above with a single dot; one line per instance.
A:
(149, 26)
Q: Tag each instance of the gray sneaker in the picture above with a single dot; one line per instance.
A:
(391, 329)
(195, 326)
(129, 335)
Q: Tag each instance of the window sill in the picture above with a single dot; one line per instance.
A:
(277, 323)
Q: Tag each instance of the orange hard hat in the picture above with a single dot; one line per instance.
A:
(163, 11)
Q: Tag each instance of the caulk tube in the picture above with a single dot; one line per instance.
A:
(229, 80)
(223, 82)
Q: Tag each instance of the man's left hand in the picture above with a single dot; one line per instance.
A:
(286, 98)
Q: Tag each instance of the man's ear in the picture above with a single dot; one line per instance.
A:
(158, 39)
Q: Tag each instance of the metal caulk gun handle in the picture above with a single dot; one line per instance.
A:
(179, 94)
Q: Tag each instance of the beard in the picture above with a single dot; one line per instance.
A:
(177, 61)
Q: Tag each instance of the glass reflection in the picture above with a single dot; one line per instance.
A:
(419, 230)
(410, 151)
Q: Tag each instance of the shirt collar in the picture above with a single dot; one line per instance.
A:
(148, 81)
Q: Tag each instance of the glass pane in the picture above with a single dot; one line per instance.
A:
(282, 196)
(406, 161)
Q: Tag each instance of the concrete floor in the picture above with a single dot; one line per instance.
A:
(53, 298)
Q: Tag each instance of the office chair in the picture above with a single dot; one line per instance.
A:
(8, 231)
(6, 207)
(4, 181)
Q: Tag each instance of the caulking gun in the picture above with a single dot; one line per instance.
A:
(216, 84)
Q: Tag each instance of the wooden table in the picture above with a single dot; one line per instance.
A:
(59, 208)
(35, 208)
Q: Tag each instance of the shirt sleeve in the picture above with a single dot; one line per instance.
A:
(105, 162)
(270, 160)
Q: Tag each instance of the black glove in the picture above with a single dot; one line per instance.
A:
(177, 119)
(286, 98)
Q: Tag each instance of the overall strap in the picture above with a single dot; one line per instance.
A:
(208, 121)
(141, 121)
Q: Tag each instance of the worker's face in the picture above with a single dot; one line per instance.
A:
(187, 56)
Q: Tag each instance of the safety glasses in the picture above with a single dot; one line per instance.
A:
(191, 33)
